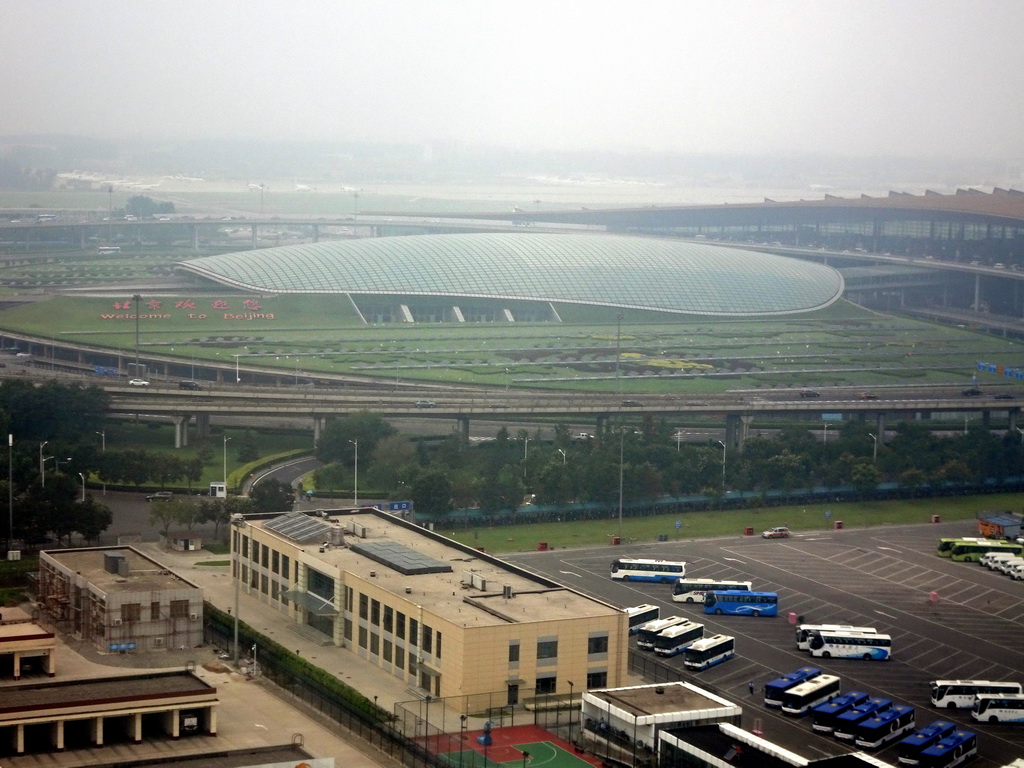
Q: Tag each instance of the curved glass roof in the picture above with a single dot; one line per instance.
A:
(613, 271)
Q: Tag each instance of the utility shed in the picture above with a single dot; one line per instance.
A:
(1000, 525)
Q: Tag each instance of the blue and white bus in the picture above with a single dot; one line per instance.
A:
(639, 569)
(845, 724)
(879, 729)
(774, 689)
(641, 614)
(676, 639)
(823, 716)
(996, 708)
(803, 632)
(961, 694)
(849, 645)
(709, 651)
(950, 751)
(799, 699)
(693, 590)
(908, 751)
(647, 632)
(738, 603)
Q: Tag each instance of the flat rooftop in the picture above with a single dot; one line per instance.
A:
(449, 579)
(672, 698)
(143, 573)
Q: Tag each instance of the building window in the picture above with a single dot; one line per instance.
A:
(428, 640)
(389, 619)
(179, 609)
(597, 679)
(275, 561)
(348, 630)
(414, 627)
(362, 637)
(245, 546)
(375, 612)
(437, 645)
(374, 643)
(349, 597)
(598, 644)
(284, 566)
(264, 584)
(274, 589)
(265, 559)
(546, 684)
(255, 551)
(400, 626)
(131, 612)
(399, 657)
(513, 652)
(154, 610)
(387, 651)
(547, 649)
(364, 606)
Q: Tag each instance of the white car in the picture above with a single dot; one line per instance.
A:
(778, 532)
(138, 383)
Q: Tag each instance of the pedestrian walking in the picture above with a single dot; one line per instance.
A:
(750, 687)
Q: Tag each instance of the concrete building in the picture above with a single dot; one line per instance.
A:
(443, 617)
(119, 600)
(23, 642)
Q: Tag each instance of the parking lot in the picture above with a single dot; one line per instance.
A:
(947, 620)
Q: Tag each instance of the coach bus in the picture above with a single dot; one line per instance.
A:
(960, 694)
(693, 590)
(846, 723)
(800, 698)
(951, 751)
(879, 729)
(803, 632)
(641, 614)
(638, 569)
(999, 708)
(709, 651)
(738, 603)
(945, 548)
(971, 551)
(849, 645)
(774, 689)
(646, 633)
(823, 716)
(908, 751)
(675, 640)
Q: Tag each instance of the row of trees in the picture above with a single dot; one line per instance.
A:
(509, 470)
(187, 513)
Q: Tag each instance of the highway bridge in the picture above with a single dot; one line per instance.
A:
(735, 411)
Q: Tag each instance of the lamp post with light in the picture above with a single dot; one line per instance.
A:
(238, 523)
(42, 471)
(83, 485)
(10, 491)
(103, 449)
(571, 684)
(874, 448)
(355, 479)
(226, 439)
(723, 463)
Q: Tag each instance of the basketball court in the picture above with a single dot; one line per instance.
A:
(521, 746)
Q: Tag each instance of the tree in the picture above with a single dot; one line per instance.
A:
(92, 518)
(166, 513)
(338, 437)
(247, 449)
(432, 493)
(271, 496)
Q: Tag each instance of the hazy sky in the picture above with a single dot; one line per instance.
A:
(899, 77)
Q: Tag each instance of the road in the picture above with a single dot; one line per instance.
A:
(883, 577)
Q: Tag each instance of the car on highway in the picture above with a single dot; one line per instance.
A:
(778, 532)
(971, 392)
(867, 396)
(810, 393)
(426, 404)
(1005, 396)
(631, 403)
(160, 496)
(138, 383)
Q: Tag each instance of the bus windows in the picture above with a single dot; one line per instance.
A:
(693, 590)
(639, 569)
(740, 603)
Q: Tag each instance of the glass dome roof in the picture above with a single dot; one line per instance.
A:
(613, 271)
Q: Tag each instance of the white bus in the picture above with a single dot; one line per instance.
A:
(995, 708)
(675, 639)
(641, 614)
(647, 632)
(692, 590)
(803, 632)
(639, 569)
(709, 651)
(849, 645)
(108, 249)
(960, 694)
(800, 698)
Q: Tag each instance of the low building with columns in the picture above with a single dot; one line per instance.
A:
(23, 643)
(442, 616)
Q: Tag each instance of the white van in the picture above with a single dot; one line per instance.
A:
(1004, 566)
(1017, 572)
(992, 559)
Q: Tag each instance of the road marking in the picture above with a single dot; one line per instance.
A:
(571, 573)
(888, 615)
(735, 560)
(890, 549)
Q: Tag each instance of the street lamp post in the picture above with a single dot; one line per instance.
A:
(874, 449)
(137, 299)
(103, 449)
(355, 482)
(83, 485)
(621, 443)
(10, 491)
(238, 523)
(237, 379)
(462, 736)
(824, 439)
(723, 463)
(563, 456)
(42, 470)
(226, 439)
(526, 756)
(1021, 434)
(571, 684)
(618, 351)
